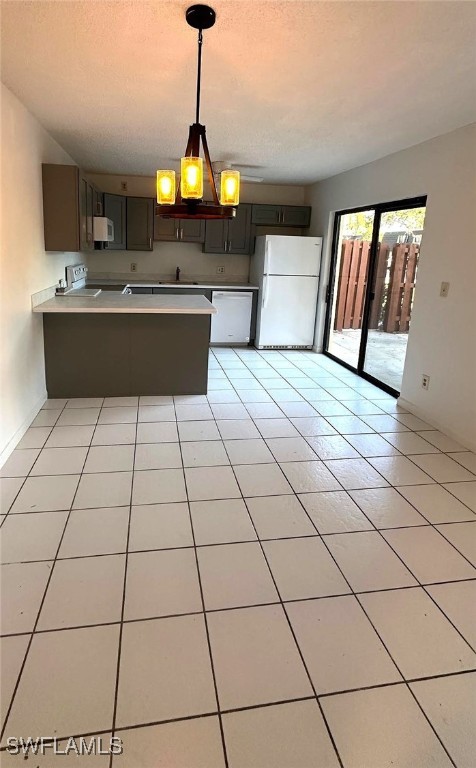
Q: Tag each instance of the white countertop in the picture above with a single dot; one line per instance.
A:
(164, 284)
(212, 286)
(111, 301)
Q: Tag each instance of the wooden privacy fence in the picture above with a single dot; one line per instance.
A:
(394, 286)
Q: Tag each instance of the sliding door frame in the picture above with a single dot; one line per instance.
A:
(378, 208)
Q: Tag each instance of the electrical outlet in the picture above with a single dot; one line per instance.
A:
(425, 381)
(123, 186)
(220, 270)
(444, 290)
(133, 267)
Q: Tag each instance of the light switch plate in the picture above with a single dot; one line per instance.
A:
(444, 290)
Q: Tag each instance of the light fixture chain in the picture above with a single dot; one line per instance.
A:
(199, 74)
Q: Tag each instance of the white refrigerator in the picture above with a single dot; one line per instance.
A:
(286, 269)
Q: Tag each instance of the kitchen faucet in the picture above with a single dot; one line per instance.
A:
(177, 275)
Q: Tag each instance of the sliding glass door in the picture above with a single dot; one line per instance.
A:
(352, 250)
(371, 287)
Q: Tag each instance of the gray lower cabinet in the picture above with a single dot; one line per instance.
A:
(186, 291)
(179, 230)
(123, 354)
(281, 215)
(140, 223)
(115, 209)
(229, 235)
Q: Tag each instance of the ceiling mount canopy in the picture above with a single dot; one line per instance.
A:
(186, 202)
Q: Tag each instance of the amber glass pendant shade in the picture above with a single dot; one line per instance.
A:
(166, 187)
(187, 201)
(229, 188)
(191, 179)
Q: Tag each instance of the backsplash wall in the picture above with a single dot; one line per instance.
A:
(163, 260)
(194, 264)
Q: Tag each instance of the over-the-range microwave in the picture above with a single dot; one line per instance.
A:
(103, 229)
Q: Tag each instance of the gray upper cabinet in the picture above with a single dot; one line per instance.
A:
(115, 209)
(70, 202)
(281, 215)
(266, 215)
(140, 223)
(98, 202)
(239, 230)
(296, 215)
(179, 230)
(216, 236)
(229, 235)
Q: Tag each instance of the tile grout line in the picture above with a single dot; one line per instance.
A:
(124, 587)
(243, 541)
(204, 613)
(235, 607)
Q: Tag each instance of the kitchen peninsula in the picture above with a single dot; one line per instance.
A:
(117, 345)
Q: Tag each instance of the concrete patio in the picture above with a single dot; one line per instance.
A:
(385, 355)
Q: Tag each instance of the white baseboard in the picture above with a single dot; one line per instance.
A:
(13, 442)
(408, 406)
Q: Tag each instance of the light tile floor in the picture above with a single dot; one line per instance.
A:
(281, 575)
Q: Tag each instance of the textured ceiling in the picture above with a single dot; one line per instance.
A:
(297, 91)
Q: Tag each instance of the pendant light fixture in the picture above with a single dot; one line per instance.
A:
(186, 201)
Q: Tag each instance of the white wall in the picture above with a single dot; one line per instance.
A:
(441, 341)
(162, 261)
(25, 267)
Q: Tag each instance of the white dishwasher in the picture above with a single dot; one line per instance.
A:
(232, 322)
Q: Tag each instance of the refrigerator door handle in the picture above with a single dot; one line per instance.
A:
(266, 259)
(264, 302)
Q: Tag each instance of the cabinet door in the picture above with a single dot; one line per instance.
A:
(62, 207)
(140, 223)
(166, 229)
(266, 215)
(83, 215)
(89, 216)
(239, 230)
(192, 231)
(296, 215)
(185, 292)
(98, 202)
(115, 209)
(216, 236)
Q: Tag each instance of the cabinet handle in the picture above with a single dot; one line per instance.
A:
(229, 246)
(224, 245)
(150, 243)
(177, 234)
(181, 233)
